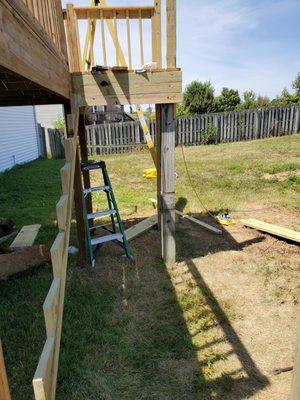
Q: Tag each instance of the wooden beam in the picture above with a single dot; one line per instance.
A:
(84, 159)
(171, 32)
(272, 229)
(158, 163)
(201, 223)
(296, 372)
(108, 12)
(73, 40)
(4, 388)
(167, 176)
(140, 228)
(26, 50)
(119, 87)
(156, 33)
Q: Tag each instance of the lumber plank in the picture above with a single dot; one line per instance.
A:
(25, 237)
(167, 182)
(156, 33)
(272, 229)
(171, 33)
(201, 223)
(26, 49)
(65, 175)
(108, 11)
(57, 253)
(296, 372)
(141, 227)
(42, 377)
(4, 388)
(112, 87)
(50, 307)
(62, 212)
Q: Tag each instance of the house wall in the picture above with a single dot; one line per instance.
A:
(18, 136)
(48, 114)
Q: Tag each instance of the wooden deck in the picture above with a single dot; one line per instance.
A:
(33, 67)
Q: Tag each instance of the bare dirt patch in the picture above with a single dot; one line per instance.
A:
(251, 283)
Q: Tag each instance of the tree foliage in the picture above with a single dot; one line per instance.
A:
(228, 100)
(198, 98)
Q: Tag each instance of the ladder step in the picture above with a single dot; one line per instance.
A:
(96, 189)
(107, 238)
(99, 214)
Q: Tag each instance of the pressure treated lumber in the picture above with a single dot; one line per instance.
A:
(4, 388)
(112, 87)
(27, 50)
(296, 370)
(25, 237)
(272, 229)
(108, 12)
(171, 32)
(201, 223)
(167, 174)
(140, 228)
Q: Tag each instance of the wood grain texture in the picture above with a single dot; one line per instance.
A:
(171, 32)
(156, 34)
(42, 380)
(25, 237)
(295, 395)
(50, 307)
(128, 87)
(167, 182)
(272, 229)
(26, 50)
(93, 12)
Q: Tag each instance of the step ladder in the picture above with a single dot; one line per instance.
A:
(115, 228)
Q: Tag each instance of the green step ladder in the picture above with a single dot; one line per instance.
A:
(115, 228)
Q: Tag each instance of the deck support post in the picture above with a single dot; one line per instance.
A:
(165, 179)
(78, 192)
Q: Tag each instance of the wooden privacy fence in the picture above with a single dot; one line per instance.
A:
(222, 127)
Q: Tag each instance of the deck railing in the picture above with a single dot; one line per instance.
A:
(49, 15)
(118, 36)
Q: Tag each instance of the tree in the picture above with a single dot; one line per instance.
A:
(249, 100)
(296, 85)
(228, 100)
(286, 98)
(59, 123)
(180, 111)
(198, 98)
(262, 101)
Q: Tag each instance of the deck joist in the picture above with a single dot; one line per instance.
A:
(32, 71)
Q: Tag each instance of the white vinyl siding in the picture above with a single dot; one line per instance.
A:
(18, 136)
(46, 115)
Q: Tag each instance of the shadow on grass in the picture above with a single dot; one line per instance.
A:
(125, 334)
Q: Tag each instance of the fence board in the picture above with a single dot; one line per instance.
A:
(229, 126)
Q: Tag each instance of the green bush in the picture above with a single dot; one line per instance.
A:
(209, 134)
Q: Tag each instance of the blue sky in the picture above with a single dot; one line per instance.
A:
(242, 44)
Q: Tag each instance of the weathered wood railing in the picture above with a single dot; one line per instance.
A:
(49, 15)
(115, 29)
(198, 129)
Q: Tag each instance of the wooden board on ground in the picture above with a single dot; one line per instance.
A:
(4, 389)
(202, 224)
(272, 229)
(141, 227)
(33, 256)
(25, 237)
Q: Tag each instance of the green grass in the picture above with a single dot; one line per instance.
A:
(126, 332)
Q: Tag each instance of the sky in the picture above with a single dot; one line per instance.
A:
(241, 44)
